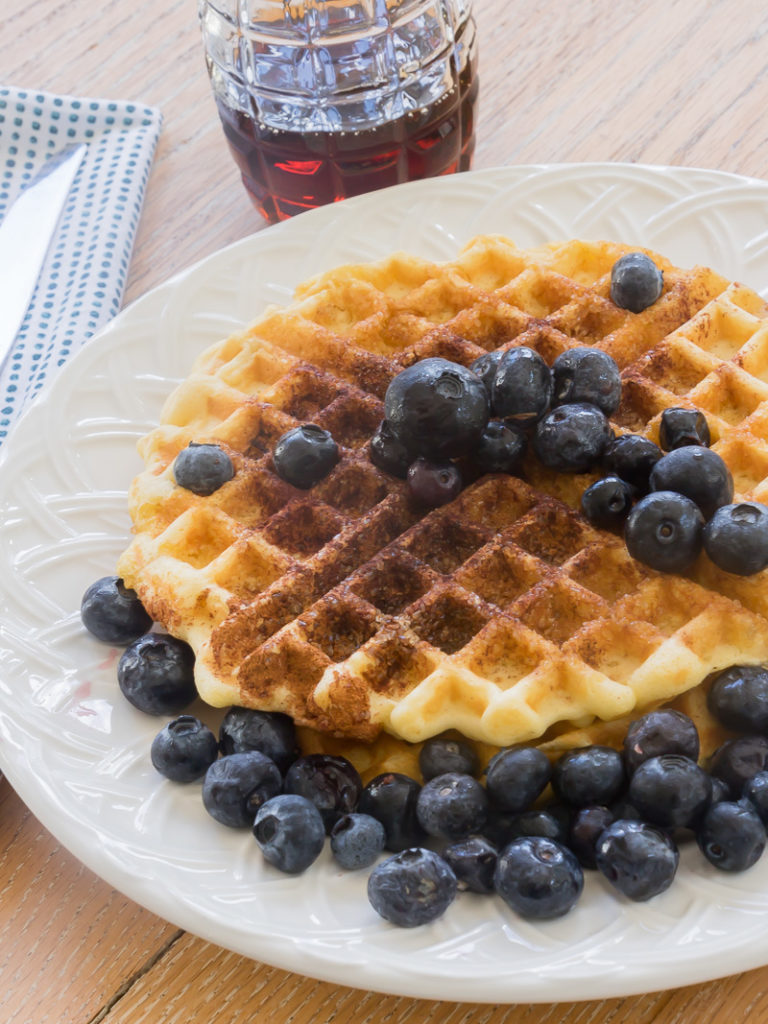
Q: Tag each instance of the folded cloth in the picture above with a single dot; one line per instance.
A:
(82, 281)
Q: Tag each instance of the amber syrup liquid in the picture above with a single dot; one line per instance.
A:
(287, 172)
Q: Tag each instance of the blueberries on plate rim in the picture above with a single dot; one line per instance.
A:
(473, 861)
(638, 859)
(357, 840)
(270, 732)
(236, 786)
(391, 798)
(113, 613)
(184, 749)
(538, 878)
(156, 674)
(452, 806)
(331, 783)
(670, 790)
(664, 731)
(289, 831)
(412, 887)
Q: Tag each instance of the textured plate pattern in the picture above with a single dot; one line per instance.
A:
(78, 754)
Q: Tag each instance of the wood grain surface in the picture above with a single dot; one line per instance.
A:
(670, 82)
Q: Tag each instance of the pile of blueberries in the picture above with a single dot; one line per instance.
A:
(444, 421)
(528, 833)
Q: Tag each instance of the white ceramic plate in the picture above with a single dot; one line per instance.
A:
(78, 754)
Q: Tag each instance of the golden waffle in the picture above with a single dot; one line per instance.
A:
(503, 614)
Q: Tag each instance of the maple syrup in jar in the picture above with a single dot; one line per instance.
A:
(324, 100)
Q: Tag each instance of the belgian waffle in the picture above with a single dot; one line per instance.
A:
(504, 614)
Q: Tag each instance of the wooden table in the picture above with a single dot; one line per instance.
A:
(669, 83)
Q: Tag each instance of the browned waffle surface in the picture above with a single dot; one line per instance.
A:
(501, 615)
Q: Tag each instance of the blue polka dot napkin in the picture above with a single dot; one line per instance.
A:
(83, 278)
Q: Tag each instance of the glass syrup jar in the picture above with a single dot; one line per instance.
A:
(323, 99)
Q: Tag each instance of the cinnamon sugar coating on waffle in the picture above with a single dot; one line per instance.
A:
(503, 614)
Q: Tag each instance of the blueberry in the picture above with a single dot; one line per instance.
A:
(721, 790)
(452, 806)
(501, 827)
(698, 473)
(522, 387)
(516, 777)
(736, 538)
(670, 791)
(305, 455)
(607, 502)
(680, 427)
(356, 841)
(289, 831)
(388, 453)
(636, 282)
(756, 792)
(113, 613)
(738, 698)
(588, 775)
(571, 438)
(184, 749)
(411, 888)
(473, 861)
(738, 760)
(202, 468)
(538, 878)
(637, 858)
(485, 367)
(587, 375)
(731, 835)
(540, 823)
(665, 731)
(236, 786)
(156, 674)
(664, 531)
(437, 408)
(588, 825)
(331, 783)
(391, 799)
(270, 732)
(501, 448)
(624, 809)
(631, 457)
(439, 756)
(434, 483)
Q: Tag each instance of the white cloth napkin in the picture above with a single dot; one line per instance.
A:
(82, 282)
